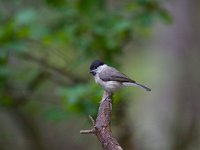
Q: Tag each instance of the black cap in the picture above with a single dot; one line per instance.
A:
(95, 64)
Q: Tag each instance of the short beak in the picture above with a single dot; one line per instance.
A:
(92, 72)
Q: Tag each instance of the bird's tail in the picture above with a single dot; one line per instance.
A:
(137, 84)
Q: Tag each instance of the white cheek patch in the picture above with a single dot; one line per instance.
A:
(100, 68)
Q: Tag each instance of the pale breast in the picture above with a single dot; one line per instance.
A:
(109, 86)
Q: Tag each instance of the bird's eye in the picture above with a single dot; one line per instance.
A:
(93, 67)
(93, 73)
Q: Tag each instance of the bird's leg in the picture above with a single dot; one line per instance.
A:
(106, 95)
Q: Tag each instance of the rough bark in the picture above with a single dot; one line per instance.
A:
(102, 126)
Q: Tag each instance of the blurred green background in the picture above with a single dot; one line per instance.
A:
(46, 94)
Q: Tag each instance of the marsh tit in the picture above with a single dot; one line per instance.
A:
(110, 78)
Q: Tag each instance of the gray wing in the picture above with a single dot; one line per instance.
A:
(111, 74)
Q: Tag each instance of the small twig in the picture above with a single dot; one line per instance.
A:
(92, 120)
(92, 131)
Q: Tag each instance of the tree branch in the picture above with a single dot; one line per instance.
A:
(102, 126)
(42, 62)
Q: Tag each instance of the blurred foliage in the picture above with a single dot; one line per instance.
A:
(47, 45)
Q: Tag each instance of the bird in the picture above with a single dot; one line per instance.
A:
(110, 78)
